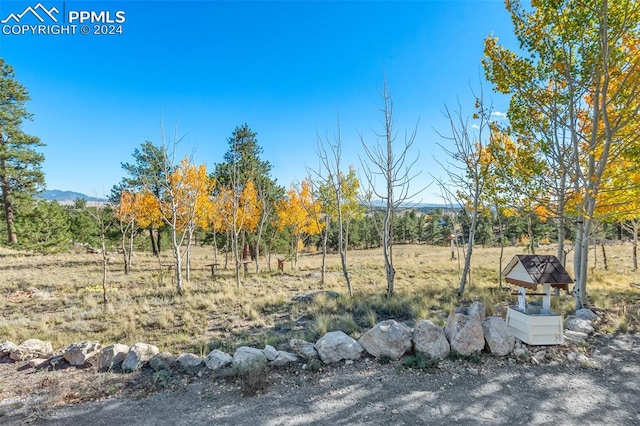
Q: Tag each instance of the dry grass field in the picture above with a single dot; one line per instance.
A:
(59, 297)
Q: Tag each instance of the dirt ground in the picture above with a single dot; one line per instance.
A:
(603, 390)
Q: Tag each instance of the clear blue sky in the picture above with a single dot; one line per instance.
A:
(285, 68)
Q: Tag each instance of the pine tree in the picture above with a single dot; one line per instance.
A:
(20, 164)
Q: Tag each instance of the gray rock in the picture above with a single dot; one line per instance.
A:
(336, 346)
(270, 352)
(303, 349)
(464, 333)
(284, 358)
(578, 324)
(163, 361)
(575, 336)
(217, 360)
(78, 353)
(111, 356)
(31, 348)
(37, 362)
(520, 352)
(188, 362)
(138, 355)
(477, 309)
(499, 339)
(6, 347)
(587, 314)
(577, 357)
(388, 339)
(429, 339)
(246, 359)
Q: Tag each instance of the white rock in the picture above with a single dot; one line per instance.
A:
(163, 361)
(388, 339)
(270, 352)
(138, 355)
(464, 333)
(499, 339)
(336, 346)
(575, 336)
(477, 309)
(78, 353)
(284, 358)
(189, 362)
(31, 348)
(246, 359)
(217, 360)
(6, 347)
(519, 352)
(111, 356)
(303, 349)
(587, 314)
(430, 340)
(578, 324)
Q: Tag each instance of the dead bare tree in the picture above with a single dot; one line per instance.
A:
(331, 179)
(466, 169)
(392, 164)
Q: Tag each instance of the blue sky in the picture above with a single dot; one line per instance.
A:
(285, 68)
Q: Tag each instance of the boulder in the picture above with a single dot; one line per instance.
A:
(32, 348)
(78, 353)
(246, 359)
(217, 360)
(6, 347)
(578, 324)
(138, 355)
(388, 339)
(499, 339)
(429, 339)
(284, 358)
(163, 361)
(464, 333)
(477, 309)
(111, 356)
(586, 314)
(336, 346)
(303, 349)
(189, 363)
(270, 352)
(575, 336)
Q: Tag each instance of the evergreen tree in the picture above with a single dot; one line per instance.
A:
(44, 228)
(21, 174)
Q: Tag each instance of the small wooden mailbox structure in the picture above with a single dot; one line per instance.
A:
(536, 325)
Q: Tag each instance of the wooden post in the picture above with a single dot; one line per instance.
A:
(546, 299)
(522, 300)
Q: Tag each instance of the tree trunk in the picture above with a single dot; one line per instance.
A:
(104, 265)
(12, 238)
(604, 257)
(501, 248)
(123, 232)
(636, 225)
(154, 246)
(325, 237)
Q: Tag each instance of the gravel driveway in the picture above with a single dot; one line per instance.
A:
(605, 390)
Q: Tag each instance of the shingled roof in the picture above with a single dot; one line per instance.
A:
(531, 270)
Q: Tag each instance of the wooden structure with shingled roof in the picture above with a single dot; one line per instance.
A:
(528, 272)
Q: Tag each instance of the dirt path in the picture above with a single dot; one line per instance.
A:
(604, 390)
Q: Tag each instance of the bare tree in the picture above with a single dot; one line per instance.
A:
(331, 180)
(394, 167)
(466, 169)
(102, 217)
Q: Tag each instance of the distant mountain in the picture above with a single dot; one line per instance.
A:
(64, 197)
